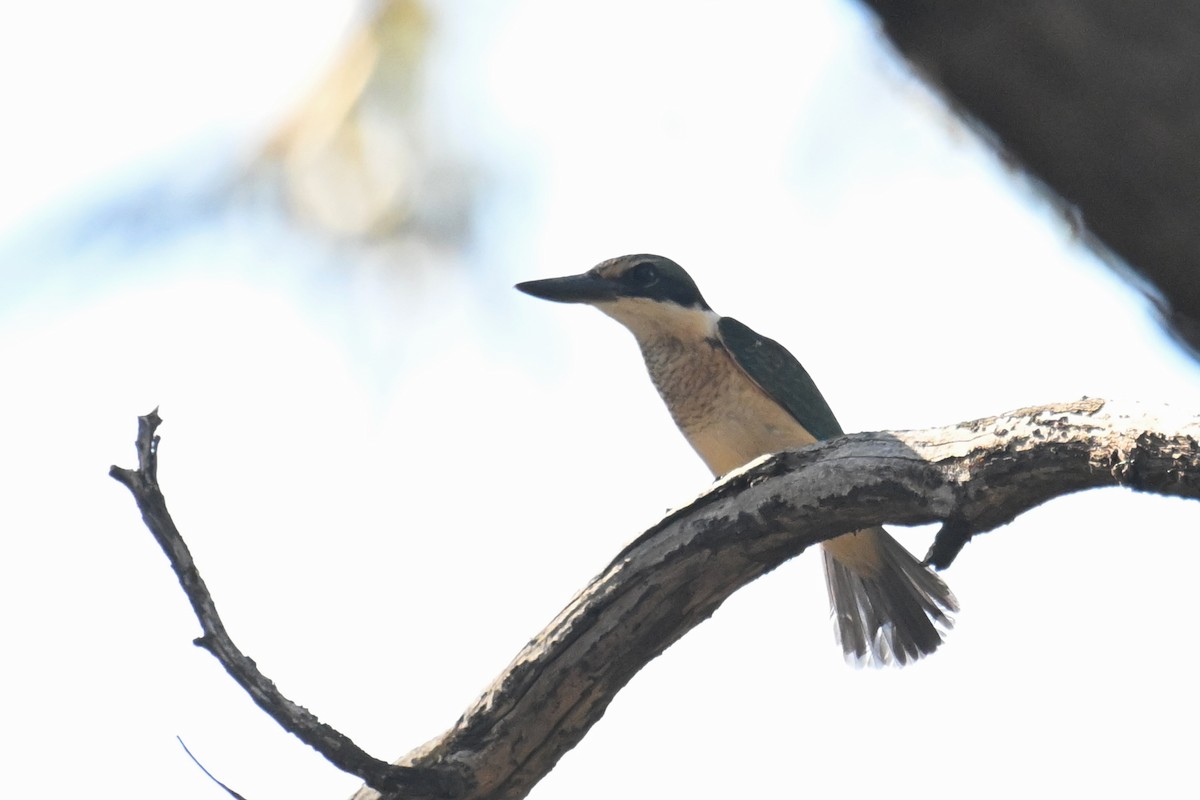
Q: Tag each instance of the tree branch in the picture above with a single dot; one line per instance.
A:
(974, 477)
(980, 474)
(1097, 99)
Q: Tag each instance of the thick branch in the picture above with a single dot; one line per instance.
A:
(977, 475)
(1098, 99)
(974, 477)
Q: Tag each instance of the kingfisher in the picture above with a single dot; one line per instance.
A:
(737, 395)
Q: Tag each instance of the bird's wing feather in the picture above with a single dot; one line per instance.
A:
(780, 375)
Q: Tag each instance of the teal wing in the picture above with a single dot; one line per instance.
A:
(780, 375)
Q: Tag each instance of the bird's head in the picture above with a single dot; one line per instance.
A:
(648, 294)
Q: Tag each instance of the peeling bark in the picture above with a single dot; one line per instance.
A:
(973, 477)
(977, 476)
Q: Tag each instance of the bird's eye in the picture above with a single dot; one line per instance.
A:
(643, 275)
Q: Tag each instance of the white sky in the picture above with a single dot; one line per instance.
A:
(390, 486)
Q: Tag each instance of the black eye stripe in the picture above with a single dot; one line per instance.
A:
(652, 278)
(642, 275)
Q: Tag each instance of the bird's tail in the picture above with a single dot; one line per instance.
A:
(887, 607)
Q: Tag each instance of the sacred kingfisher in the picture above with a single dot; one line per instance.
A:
(737, 395)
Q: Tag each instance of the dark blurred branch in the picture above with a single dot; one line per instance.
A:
(1099, 100)
(338, 749)
(973, 476)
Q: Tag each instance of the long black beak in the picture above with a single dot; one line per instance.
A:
(585, 288)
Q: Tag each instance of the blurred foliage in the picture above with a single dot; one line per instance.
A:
(358, 159)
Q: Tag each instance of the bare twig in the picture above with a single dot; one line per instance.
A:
(208, 774)
(337, 748)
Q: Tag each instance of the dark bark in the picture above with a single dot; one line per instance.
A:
(1100, 100)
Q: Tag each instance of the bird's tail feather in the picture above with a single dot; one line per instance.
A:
(892, 614)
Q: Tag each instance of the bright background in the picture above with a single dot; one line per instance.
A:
(393, 469)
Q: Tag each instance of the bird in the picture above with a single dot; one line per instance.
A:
(737, 395)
